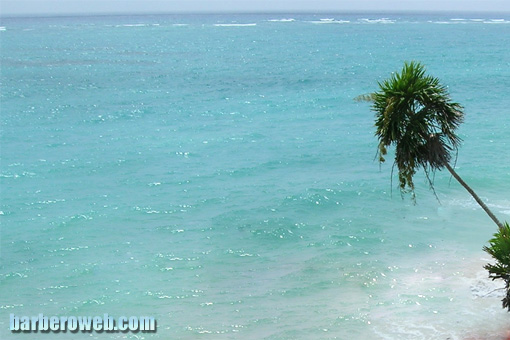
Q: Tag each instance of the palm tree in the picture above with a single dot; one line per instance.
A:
(414, 112)
(499, 249)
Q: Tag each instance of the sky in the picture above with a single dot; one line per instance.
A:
(60, 7)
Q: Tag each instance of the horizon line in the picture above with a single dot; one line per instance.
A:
(248, 12)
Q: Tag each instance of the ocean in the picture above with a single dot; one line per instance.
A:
(215, 172)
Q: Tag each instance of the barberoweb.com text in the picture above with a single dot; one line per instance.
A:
(105, 323)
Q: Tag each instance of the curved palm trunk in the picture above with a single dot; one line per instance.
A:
(475, 196)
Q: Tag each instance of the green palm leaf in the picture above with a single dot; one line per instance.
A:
(499, 249)
(414, 113)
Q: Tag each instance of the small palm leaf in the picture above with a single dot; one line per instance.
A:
(367, 97)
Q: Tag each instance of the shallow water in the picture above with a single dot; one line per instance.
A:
(215, 172)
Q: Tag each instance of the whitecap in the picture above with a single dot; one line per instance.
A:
(132, 25)
(2, 28)
(282, 20)
(11, 306)
(497, 21)
(377, 21)
(330, 21)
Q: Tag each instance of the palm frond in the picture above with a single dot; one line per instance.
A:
(499, 249)
(414, 113)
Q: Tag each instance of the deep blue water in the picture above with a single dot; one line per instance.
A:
(215, 172)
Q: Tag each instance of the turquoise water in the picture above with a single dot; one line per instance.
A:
(215, 172)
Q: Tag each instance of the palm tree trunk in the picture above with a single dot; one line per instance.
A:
(475, 196)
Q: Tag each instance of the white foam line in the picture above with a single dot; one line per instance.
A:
(377, 21)
(132, 25)
(282, 20)
(329, 21)
(497, 22)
